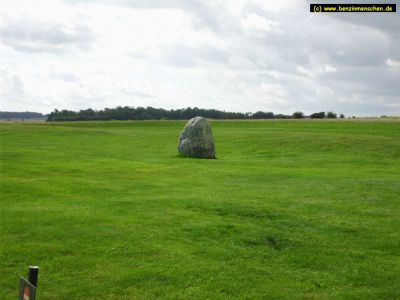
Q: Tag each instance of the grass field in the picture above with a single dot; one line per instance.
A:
(289, 210)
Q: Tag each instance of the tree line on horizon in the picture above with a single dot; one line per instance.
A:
(25, 115)
(151, 113)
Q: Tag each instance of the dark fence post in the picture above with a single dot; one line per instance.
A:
(33, 275)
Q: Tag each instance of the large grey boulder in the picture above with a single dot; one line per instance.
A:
(196, 139)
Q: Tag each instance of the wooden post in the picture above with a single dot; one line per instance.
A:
(33, 275)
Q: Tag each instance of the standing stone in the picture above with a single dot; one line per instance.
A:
(196, 139)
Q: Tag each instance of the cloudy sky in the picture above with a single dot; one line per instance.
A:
(231, 55)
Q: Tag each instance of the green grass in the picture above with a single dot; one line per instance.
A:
(289, 210)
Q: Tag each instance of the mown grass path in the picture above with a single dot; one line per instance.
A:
(289, 210)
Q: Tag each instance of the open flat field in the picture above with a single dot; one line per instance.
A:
(289, 210)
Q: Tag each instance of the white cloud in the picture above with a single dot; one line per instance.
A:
(254, 21)
(329, 69)
(392, 63)
(316, 71)
(11, 86)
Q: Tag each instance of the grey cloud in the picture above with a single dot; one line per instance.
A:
(358, 53)
(385, 22)
(30, 35)
(372, 81)
(330, 39)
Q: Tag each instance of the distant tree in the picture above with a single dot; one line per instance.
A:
(87, 114)
(331, 115)
(151, 113)
(282, 116)
(342, 116)
(319, 115)
(262, 115)
(298, 115)
(269, 115)
(6, 115)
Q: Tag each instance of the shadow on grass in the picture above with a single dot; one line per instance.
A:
(189, 157)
